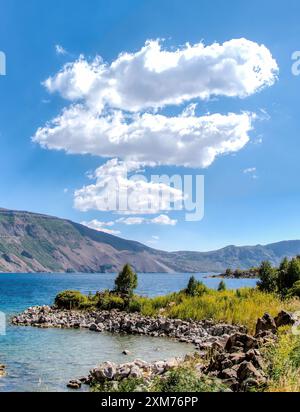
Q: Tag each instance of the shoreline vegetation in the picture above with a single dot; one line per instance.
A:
(243, 338)
(252, 273)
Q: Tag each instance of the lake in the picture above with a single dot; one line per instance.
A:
(46, 359)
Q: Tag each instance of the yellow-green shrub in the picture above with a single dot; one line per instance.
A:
(283, 363)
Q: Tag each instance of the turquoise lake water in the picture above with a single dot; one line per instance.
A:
(45, 360)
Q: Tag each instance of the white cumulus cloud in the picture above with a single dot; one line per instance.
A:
(154, 77)
(185, 140)
(115, 190)
(115, 112)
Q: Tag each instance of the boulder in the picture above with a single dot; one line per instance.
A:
(247, 371)
(266, 323)
(136, 372)
(74, 384)
(228, 374)
(284, 318)
(106, 371)
(237, 358)
(255, 358)
(240, 341)
(123, 372)
(84, 380)
(93, 327)
(171, 364)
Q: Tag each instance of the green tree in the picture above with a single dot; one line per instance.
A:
(295, 290)
(222, 286)
(268, 277)
(282, 277)
(126, 281)
(238, 273)
(293, 273)
(191, 289)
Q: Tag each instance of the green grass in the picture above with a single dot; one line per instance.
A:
(241, 307)
(283, 363)
(185, 379)
(181, 379)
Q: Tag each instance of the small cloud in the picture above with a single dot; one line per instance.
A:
(251, 171)
(66, 190)
(60, 51)
(101, 226)
(163, 220)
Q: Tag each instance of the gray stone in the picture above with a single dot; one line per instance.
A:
(266, 323)
(228, 374)
(74, 384)
(284, 318)
(136, 372)
(248, 371)
(240, 341)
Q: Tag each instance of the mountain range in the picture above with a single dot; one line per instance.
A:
(31, 242)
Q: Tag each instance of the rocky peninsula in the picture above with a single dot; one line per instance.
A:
(203, 334)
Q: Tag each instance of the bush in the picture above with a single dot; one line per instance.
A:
(283, 368)
(71, 299)
(185, 379)
(125, 386)
(195, 288)
(293, 273)
(135, 306)
(268, 278)
(108, 300)
(126, 281)
(295, 290)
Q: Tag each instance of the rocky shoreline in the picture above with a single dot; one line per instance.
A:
(238, 364)
(224, 352)
(203, 334)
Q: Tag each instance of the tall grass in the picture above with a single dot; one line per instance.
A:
(242, 307)
(284, 363)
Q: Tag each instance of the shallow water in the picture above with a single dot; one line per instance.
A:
(46, 359)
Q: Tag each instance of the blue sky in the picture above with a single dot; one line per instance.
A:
(239, 208)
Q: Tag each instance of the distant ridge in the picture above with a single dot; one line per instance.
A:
(31, 242)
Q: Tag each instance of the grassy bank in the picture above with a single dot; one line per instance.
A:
(283, 363)
(243, 306)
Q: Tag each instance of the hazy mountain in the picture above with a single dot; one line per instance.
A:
(32, 242)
